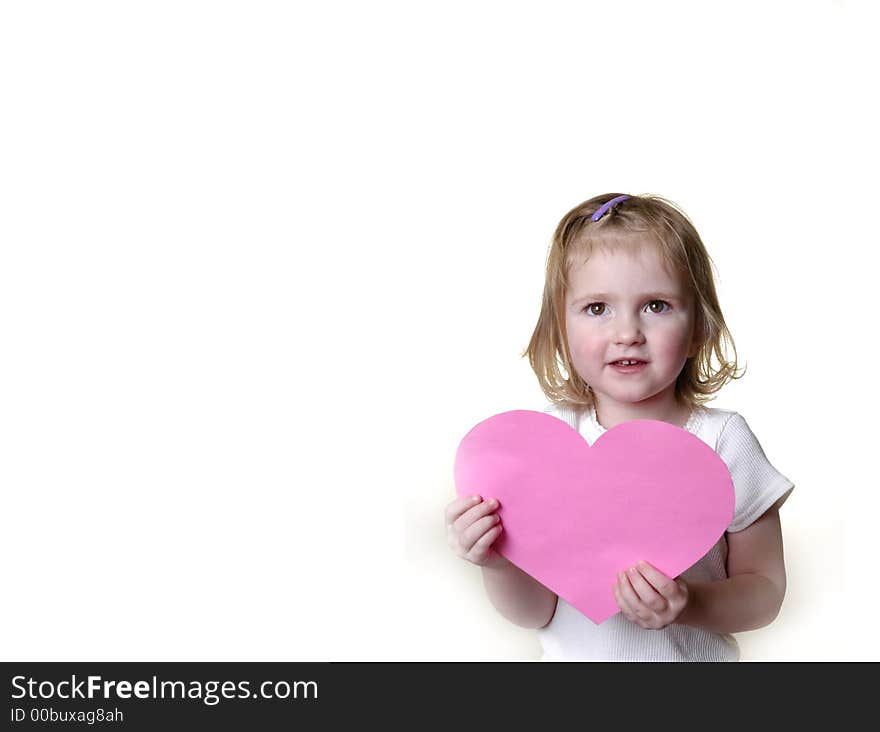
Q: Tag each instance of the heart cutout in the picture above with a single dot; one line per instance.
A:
(574, 515)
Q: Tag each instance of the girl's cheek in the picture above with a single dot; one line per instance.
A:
(673, 338)
(586, 344)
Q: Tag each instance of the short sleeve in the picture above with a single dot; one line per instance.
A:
(758, 485)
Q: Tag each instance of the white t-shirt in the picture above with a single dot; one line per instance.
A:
(570, 635)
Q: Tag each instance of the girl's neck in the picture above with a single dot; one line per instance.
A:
(664, 408)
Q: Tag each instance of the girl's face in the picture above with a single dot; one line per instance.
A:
(622, 305)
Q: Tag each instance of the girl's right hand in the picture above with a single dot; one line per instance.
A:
(472, 526)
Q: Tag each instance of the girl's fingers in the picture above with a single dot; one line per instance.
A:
(471, 535)
(622, 603)
(631, 598)
(666, 586)
(646, 593)
(472, 527)
(472, 515)
(457, 507)
(481, 548)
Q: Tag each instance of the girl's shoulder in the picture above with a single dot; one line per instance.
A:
(554, 408)
(727, 431)
(703, 418)
(711, 422)
(567, 414)
(721, 429)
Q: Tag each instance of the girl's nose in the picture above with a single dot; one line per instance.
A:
(628, 331)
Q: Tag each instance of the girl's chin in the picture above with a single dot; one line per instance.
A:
(632, 397)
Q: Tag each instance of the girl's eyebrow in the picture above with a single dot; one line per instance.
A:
(604, 296)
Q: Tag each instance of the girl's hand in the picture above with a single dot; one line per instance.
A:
(472, 526)
(649, 598)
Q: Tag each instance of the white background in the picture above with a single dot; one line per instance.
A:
(264, 264)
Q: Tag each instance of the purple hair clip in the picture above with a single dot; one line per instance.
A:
(605, 207)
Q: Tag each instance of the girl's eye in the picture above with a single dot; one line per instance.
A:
(661, 303)
(600, 308)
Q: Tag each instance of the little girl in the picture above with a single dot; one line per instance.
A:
(631, 316)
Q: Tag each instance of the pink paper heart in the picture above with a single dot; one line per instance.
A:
(574, 515)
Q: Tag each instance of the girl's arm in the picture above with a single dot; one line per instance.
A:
(517, 596)
(751, 596)
(472, 526)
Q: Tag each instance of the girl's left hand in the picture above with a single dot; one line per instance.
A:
(649, 598)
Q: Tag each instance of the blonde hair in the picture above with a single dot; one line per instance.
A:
(630, 225)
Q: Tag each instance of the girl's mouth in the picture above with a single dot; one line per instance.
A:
(628, 366)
